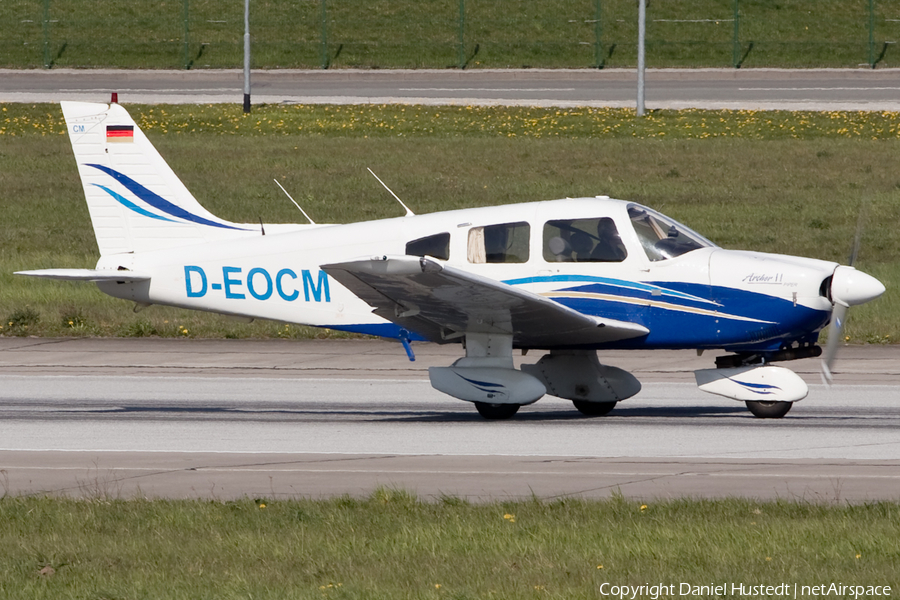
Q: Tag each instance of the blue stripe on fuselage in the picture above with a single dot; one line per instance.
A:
(689, 315)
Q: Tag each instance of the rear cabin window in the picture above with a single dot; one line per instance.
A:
(437, 246)
(583, 240)
(506, 243)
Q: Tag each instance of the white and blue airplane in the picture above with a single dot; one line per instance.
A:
(570, 277)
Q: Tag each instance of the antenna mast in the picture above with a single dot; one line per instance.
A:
(409, 213)
(311, 222)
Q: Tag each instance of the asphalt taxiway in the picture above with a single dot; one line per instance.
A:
(749, 89)
(276, 418)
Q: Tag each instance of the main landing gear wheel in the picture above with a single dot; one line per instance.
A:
(769, 410)
(496, 411)
(593, 409)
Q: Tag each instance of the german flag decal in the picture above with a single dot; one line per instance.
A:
(120, 133)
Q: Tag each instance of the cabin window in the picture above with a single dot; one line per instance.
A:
(583, 240)
(437, 246)
(506, 243)
(661, 237)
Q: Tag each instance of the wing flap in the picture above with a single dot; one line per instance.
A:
(86, 275)
(442, 302)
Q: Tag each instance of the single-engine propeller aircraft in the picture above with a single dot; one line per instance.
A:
(569, 277)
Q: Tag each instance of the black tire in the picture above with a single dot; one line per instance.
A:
(593, 409)
(496, 411)
(769, 410)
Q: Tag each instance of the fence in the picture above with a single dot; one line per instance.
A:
(448, 33)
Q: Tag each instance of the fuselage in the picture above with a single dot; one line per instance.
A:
(599, 256)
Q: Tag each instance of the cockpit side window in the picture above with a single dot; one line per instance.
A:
(583, 240)
(661, 237)
(437, 245)
(505, 243)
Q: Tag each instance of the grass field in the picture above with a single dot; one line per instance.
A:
(431, 33)
(778, 182)
(391, 545)
(790, 183)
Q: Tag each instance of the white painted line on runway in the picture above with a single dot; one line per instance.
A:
(150, 89)
(687, 473)
(551, 473)
(478, 89)
(816, 89)
(262, 375)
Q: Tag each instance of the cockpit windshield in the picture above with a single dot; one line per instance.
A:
(661, 237)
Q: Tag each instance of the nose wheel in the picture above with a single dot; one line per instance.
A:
(496, 412)
(769, 410)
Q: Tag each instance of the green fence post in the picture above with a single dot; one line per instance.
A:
(187, 32)
(872, 33)
(461, 41)
(736, 43)
(598, 36)
(46, 31)
(323, 14)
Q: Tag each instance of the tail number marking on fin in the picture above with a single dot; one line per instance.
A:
(259, 283)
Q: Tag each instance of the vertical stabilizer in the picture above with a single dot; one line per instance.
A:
(136, 201)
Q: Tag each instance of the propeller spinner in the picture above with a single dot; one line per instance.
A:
(849, 287)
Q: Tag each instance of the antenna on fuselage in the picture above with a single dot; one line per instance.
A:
(311, 222)
(409, 213)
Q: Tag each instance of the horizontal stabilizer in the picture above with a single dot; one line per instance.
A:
(86, 275)
(442, 303)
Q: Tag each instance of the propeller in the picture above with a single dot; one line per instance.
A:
(849, 287)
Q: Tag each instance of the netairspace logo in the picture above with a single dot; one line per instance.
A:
(782, 590)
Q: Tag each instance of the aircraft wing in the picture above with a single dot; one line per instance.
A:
(86, 275)
(442, 303)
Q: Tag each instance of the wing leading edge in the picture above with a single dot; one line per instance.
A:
(443, 303)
